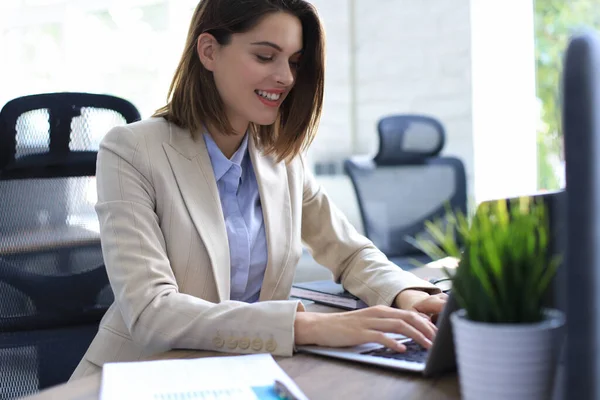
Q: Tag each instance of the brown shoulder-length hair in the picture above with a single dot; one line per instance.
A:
(193, 97)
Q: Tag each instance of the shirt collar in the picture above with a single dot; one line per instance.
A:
(220, 163)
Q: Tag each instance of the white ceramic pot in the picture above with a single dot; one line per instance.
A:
(507, 361)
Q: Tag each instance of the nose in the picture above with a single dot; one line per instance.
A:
(284, 75)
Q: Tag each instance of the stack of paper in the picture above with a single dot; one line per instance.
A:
(235, 377)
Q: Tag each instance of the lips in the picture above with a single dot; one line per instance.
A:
(272, 96)
(268, 98)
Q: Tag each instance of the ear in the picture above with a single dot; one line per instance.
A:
(207, 47)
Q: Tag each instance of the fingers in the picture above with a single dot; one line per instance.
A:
(413, 326)
(423, 324)
(443, 296)
(425, 316)
(373, 323)
(432, 305)
(374, 336)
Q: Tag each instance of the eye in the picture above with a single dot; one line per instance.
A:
(295, 64)
(264, 58)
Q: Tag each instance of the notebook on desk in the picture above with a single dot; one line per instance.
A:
(328, 293)
(333, 294)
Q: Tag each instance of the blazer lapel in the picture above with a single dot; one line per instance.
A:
(275, 200)
(191, 165)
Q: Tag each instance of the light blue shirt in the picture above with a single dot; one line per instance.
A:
(244, 221)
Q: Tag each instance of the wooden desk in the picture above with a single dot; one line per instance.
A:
(318, 377)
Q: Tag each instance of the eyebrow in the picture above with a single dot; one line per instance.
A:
(273, 45)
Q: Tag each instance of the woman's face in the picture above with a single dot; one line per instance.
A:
(255, 72)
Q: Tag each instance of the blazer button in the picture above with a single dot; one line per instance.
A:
(244, 343)
(218, 342)
(232, 343)
(271, 345)
(257, 344)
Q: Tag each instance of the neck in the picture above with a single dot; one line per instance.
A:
(228, 144)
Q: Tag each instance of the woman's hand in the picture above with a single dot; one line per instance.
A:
(363, 326)
(416, 300)
(419, 301)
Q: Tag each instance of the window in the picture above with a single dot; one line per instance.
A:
(102, 46)
(555, 22)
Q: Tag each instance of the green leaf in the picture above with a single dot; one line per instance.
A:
(505, 270)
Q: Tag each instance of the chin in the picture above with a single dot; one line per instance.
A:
(266, 120)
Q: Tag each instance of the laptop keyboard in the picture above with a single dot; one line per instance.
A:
(414, 353)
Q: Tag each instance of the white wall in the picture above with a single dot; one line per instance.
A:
(334, 139)
(401, 56)
(467, 62)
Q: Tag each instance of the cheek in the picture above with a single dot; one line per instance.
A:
(238, 78)
(253, 74)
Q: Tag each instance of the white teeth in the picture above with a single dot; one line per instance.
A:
(268, 96)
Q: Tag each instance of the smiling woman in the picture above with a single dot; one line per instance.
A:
(205, 207)
(250, 72)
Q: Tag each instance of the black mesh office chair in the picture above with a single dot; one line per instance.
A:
(406, 184)
(53, 285)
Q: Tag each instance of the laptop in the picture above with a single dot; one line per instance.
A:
(441, 357)
(435, 361)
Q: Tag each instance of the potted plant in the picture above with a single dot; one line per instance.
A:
(507, 344)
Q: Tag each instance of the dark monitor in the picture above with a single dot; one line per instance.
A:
(581, 123)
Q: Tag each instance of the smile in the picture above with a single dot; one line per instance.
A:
(267, 95)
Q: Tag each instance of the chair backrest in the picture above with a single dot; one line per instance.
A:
(53, 284)
(406, 183)
(57, 134)
(48, 147)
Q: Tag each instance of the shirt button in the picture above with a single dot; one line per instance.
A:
(218, 342)
(244, 343)
(271, 345)
(257, 344)
(232, 343)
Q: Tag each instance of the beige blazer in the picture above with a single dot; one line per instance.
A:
(166, 251)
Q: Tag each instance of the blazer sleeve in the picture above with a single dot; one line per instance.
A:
(353, 259)
(157, 315)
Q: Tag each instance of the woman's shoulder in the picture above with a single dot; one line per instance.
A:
(152, 125)
(139, 144)
(151, 128)
(297, 164)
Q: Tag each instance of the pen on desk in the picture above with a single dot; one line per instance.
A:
(283, 392)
